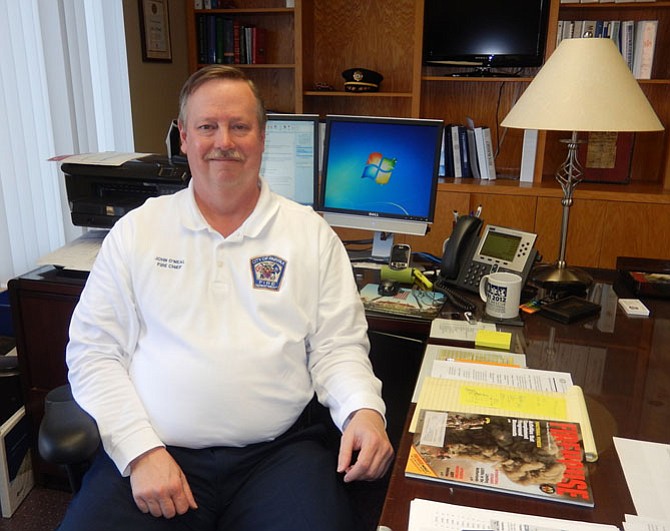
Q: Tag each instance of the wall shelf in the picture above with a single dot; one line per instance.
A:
(319, 39)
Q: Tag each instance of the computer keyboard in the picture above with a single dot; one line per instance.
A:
(440, 285)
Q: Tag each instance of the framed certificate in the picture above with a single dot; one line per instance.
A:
(155, 31)
(607, 157)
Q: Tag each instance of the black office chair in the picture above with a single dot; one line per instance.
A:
(68, 436)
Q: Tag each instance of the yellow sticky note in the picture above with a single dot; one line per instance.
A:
(493, 339)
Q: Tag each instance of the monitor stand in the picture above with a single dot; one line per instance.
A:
(382, 243)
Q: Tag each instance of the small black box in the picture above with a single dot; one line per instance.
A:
(569, 309)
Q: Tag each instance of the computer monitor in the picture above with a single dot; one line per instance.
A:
(291, 157)
(380, 174)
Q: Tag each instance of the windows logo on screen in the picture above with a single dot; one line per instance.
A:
(379, 168)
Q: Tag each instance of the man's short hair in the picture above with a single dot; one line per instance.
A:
(213, 72)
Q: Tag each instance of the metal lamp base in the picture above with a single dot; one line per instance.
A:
(555, 278)
(558, 277)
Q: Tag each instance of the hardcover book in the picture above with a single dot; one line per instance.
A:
(537, 458)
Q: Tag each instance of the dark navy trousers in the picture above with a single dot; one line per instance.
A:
(289, 484)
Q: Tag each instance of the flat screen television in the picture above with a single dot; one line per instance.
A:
(291, 157)
(485, 34)
(380, 174)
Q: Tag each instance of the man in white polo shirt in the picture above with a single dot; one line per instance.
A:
(210, 319)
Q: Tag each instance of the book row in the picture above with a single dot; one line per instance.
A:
(468, 152)
(228, 4)
(224, 40)
(636, 40)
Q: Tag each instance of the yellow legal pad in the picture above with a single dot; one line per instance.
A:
(442, 394)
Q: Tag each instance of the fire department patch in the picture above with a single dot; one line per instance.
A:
(268, 272)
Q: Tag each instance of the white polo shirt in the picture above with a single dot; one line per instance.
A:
(183, 337)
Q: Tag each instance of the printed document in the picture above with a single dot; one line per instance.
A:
(78, 255)
(646, 466)
(425, 515)
(458, 330)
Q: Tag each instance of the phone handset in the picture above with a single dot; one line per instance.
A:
(466, 229)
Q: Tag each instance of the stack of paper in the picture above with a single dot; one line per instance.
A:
(646, 466)
(473, 397)
(443, 353)
(427, 515)
(78, 255)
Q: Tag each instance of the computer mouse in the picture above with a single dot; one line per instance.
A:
(388, 288)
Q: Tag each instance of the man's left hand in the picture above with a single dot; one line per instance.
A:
(366, 434)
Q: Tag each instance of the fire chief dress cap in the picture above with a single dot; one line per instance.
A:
(361, 80)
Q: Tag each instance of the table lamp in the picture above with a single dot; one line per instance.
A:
(585, 85)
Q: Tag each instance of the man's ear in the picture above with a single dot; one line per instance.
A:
(182, 135)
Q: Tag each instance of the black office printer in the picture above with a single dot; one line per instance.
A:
(100, 195)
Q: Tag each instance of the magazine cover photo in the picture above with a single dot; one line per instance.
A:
(538, 458)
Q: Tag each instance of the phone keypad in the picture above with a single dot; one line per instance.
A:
(474, 273)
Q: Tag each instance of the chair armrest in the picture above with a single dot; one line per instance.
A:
(67, 435)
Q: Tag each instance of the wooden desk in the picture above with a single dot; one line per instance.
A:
(623, 365)
(42, 304)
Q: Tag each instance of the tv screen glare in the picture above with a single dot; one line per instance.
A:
(291, 156)
(485, 33)
(380, 173)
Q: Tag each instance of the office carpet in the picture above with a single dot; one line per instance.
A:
(42, 510)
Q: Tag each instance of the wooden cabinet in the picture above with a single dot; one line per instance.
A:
(318, 39)
(42, 304)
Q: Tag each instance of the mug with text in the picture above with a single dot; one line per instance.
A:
(502, 294)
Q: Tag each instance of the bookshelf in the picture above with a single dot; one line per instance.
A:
(318, 39)
(279, 77)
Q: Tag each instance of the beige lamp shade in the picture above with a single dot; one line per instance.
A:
(585, 85)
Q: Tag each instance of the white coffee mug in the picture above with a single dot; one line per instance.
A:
(502, 294)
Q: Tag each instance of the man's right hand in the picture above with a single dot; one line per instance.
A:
(159, 485)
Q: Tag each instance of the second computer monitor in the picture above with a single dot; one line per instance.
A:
(291, 157)
(380, 174)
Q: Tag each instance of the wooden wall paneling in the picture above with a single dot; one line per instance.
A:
(277, 87)
(347, 35)
(513, 211)
(440, 230)
(651, 157)
(191, 38)
(358, 104)
(635, 229)
(586, 230)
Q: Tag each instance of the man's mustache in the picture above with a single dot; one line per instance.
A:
(228, 154)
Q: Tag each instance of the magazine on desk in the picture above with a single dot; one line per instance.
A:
(412, 302)
(537, 458)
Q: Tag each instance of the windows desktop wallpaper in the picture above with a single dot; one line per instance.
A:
(385, 168)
